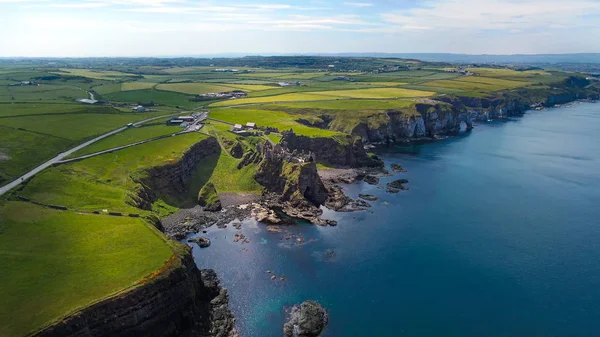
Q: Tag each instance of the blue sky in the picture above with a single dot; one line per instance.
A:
(185, 27)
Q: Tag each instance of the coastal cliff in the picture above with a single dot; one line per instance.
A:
(294, 178)
(339, 150)
(179, 301)
(171, 179)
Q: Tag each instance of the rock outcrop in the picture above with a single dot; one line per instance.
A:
(180, 301)
(208, 198)
(296, 181)
(306, 320)
(341, 150)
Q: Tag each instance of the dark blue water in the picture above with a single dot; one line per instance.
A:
(499, 235)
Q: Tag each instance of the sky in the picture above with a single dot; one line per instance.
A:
(46, 28)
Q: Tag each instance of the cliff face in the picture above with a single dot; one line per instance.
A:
(172, 179)
(429, 119)
(295, 180)
(181, 301)
(340, 150)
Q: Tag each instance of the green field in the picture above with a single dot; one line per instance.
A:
(205, 88)
(54, 262)
(136, 86)
(278, 98)
(44, 92)
(152, 96)
(375, 93)
(95, 74)
(129, 136)
(350, 105)
(41, 108)
(278, 119)
(20, 151)
(477, 84)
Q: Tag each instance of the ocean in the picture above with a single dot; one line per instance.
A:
(499, 235)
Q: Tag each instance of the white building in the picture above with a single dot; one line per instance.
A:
(139, 108)
(251, 125)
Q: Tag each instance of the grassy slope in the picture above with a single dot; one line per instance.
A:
(104, 182)
(54, 262)
(376, 93)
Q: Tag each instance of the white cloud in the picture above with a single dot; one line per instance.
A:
(80, 5)
(493, 14)
(358, 4)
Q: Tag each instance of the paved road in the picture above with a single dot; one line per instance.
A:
(62, 155)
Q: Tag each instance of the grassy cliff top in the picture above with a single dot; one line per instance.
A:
(54, 262)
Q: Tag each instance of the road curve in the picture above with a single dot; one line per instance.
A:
(62, 155)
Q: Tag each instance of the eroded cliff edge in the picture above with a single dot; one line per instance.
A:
(179, 300)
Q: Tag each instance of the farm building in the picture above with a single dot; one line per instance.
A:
(237, 127)
(251, 125)
(174, 121)
(139, 108)
(186, 118)
(87, 101)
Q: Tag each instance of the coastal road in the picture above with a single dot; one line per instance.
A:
(62, 155)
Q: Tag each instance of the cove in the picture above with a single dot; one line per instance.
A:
(499, 235)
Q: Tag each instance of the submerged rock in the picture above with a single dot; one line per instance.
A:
(392, 190)
(397, 168)
(306, 320)
(398, 184)
(369, 197)
(202, 241)
(371, 180)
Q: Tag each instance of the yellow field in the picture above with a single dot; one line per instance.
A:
(136, 86)
(278, 98)
(99, 75)
(375, 93)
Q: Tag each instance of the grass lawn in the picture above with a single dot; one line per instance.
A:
(54, 262)
(375, 93)
(105, 181)
(277, 119)
(136, 86)
(225, 175)
(129, 136)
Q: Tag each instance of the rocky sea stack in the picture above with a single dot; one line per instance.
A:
(306, 320)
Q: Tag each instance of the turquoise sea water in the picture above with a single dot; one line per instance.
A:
(499, 235)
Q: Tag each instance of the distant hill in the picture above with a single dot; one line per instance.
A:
(467, 58)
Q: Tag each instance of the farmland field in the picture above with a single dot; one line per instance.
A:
(129, 136)
(45, 92)
(351, 105)
(152, 96)
(477, 84)
(136, 86)
(95, 74)
(375, 93)
(279, 98)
